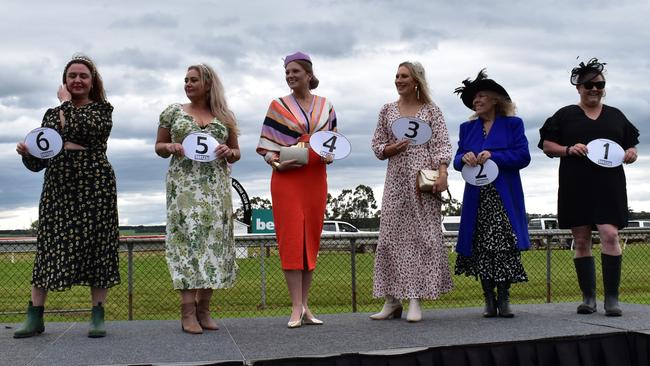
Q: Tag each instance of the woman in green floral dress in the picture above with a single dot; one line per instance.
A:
(200, 246)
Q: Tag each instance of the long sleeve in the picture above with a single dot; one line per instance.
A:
(516, 155)
(381, 136)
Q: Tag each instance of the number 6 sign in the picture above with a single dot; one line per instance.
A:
(330, 143)
(43, 143)
(200, 146)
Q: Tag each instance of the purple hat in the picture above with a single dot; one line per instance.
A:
(296, 56)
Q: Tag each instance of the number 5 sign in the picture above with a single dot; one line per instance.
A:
(43, 143)
(200, 146)
(330, 143)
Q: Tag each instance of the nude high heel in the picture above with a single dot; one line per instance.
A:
(297, 323)
(392, 309)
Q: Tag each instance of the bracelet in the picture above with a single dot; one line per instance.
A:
(567, 150)
(275, 165)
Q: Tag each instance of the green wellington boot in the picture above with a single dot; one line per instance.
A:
(97, 329)
(34, 324)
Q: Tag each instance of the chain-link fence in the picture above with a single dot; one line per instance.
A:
(342, 280)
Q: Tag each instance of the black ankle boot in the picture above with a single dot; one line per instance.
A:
(503, 300)
(97, 329)
(34, 324)
(586, 272)
(611, 282)
(490, 309)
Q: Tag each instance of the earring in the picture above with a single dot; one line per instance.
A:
(417, 92)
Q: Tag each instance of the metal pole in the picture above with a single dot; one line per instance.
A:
(262, 276)
(548, 268)
(353, 271)
(130, 277)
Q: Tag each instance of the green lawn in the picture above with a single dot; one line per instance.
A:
(153, 297)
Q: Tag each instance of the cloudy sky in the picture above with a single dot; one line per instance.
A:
(142, 49)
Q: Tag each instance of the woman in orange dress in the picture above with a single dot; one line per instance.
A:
(298, 191)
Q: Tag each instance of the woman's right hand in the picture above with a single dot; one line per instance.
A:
(288, 165)
(21, 149)
(396, 148)
(175, 148)
(469, 158)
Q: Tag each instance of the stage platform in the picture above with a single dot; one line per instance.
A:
(538, 334)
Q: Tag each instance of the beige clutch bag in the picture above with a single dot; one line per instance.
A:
(298, 152)
(426, 179)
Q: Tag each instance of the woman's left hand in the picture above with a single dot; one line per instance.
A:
(224, 152)
(630, 155)
(483, 156)
(441, 184)
(328, 159)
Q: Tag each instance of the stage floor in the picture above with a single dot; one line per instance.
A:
(251, 339)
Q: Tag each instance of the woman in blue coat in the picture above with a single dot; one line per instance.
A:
(493, 226)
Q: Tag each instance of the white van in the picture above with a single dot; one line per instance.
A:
(450, 224)
(543, 223)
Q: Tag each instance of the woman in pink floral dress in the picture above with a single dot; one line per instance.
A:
(411, 261)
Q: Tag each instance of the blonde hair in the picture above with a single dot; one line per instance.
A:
(215, 96)
(503, 107)
(417, 73)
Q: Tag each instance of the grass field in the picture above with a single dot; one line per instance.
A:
(153, 297)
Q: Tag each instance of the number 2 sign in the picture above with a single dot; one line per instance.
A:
(43, 143)
(330, 143)
(481, 174)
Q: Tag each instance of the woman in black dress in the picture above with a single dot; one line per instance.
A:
(589, 194)
(78, 225)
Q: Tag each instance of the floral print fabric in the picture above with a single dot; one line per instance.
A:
(200, 247)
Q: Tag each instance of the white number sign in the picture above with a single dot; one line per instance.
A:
(605, 153)
(330, 143)
(414, 129)
(43, 143)
(200, 146)
(481, 174)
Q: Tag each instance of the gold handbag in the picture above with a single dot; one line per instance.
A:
(426, 179)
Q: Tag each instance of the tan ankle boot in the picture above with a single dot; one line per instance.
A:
(203, 315)
(415, 312)
(189, 324)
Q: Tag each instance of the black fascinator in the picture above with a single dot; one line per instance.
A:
(592, 67)
(469, 89)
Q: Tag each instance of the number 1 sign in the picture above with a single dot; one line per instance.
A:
(330, 143)
(43, 143)
(605, 153)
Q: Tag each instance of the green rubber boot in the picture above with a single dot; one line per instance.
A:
(34, 324)
(97, 329)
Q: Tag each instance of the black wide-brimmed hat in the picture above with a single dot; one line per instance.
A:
(593, 67)
(469, 89)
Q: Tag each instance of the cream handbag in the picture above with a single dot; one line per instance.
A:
(298, 152)
(426, 179)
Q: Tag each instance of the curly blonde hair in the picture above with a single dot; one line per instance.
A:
(215, 96)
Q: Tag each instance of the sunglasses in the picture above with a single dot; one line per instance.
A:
(590, 84)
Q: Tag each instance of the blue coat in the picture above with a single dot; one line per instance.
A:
(509, 148)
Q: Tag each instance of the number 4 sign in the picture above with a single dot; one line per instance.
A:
(43, 143)
(330, 143)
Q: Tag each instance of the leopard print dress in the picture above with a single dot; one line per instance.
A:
(411, 260)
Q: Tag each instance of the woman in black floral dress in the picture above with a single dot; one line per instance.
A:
(78, 224)
(493, 225)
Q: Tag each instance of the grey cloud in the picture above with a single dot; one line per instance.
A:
(148, 20)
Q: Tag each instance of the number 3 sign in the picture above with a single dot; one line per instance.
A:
(200, 146)
(413, 129)
(330, 143)
(43, 143)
